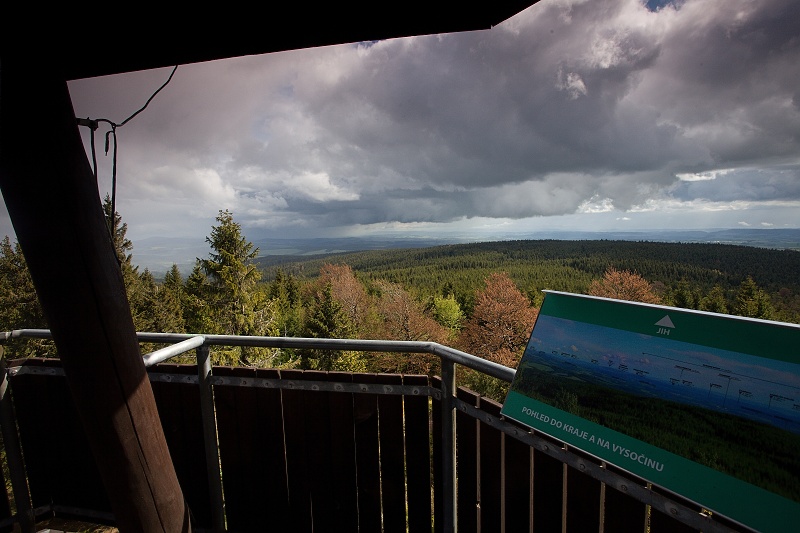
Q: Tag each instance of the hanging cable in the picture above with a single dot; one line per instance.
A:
(151, 97)
(111, 134)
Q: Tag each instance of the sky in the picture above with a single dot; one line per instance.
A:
(573, 114)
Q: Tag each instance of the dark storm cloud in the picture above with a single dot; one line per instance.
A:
(728, 76)
(489, 108)
(572, 88)
(569, 107)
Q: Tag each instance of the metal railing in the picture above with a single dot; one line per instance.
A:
(671, 504)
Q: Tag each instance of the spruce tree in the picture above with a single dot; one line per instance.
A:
(714, 301)
(232, 275)
(174, 295)
(161, 307)
(136, 292)
(122, 245)
(19, 303)
(752, 302)
(236, 303)
(197, 312)
(685, 296)
(326, 319)
(285, 295)
(173, 280)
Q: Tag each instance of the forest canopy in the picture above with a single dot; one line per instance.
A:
(481, 298)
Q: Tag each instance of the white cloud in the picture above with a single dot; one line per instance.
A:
(703, 176)
(596, 205)
(318, 187)
(172, 183)
(672, 205)
(572, 84)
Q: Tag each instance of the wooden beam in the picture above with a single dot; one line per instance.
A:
(88, 42)
(55, 208)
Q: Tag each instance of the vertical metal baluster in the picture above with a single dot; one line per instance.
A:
(16, 466)
(210, 438)
(448, 446)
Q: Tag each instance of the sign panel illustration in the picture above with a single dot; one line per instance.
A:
(703, 404)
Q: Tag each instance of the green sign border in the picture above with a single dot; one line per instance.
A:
(737, 334)
(718, 492)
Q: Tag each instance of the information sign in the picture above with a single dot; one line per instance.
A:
(703, 404)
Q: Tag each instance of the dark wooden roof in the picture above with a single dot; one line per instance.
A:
(86, 42)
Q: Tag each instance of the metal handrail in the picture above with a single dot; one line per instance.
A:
(159, 356)
(434, 348)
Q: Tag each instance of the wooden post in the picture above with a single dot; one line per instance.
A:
(54, 204)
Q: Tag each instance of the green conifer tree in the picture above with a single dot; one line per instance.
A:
(19, 303)
(236, 304)
(162, 308)
(326, 319)
(752, 302)
(197, 312)
(715, 301)
(173, 280)
(122, 245)
(174, 295)
(285, 295)
(685, 296)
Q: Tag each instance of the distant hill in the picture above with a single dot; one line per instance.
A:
(159, 253)
(560, 264)
(779, 239)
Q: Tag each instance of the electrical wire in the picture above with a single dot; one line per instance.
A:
(111, 134)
